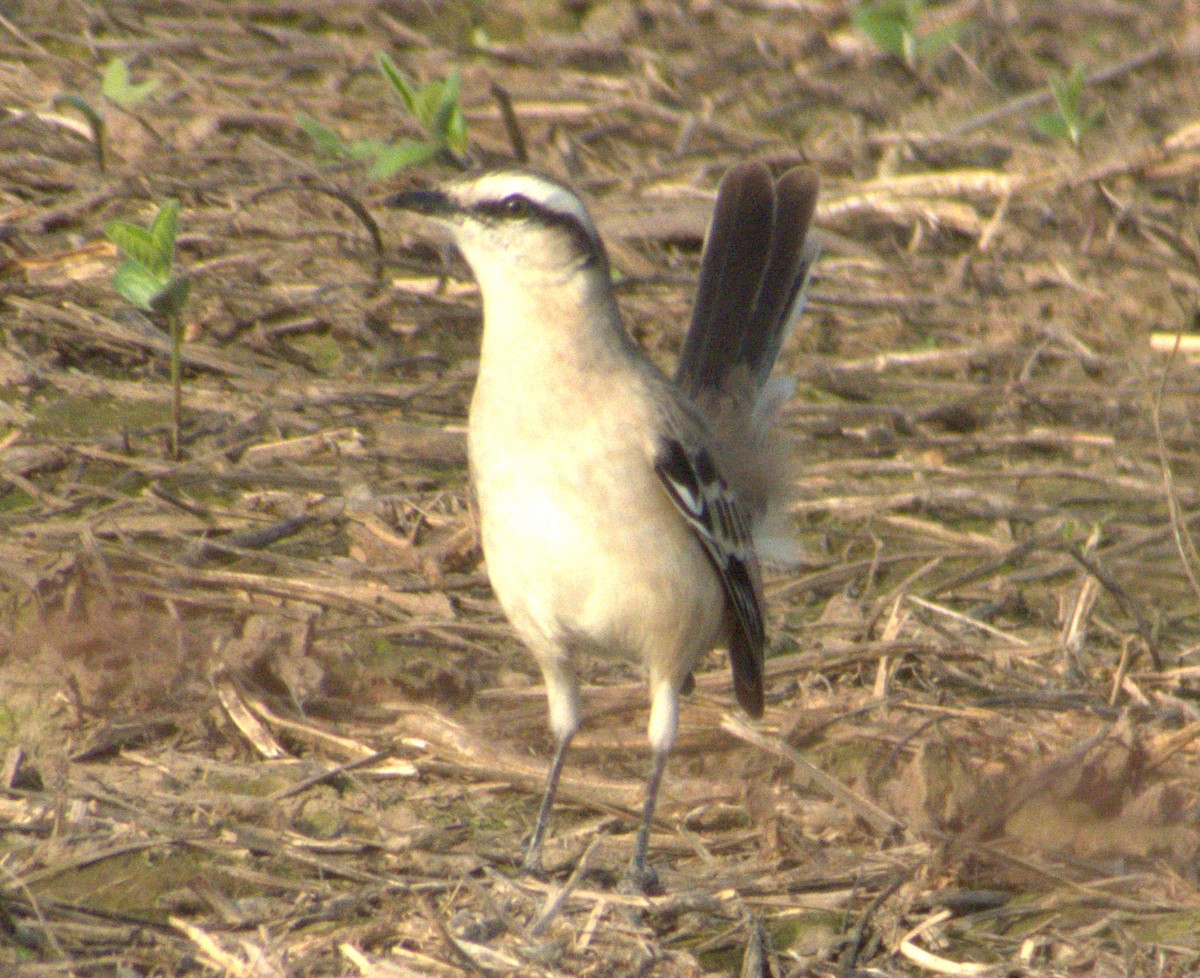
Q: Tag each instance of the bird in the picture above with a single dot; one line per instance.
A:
(617, 505)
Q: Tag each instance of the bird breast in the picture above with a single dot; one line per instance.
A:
(584, 548)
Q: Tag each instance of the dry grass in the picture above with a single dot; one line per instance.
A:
(260, 714)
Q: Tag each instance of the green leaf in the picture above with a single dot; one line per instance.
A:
(116, 87)
(388, 159)
(401, 154)
(456, 131)
(1066, 93)
(1069, 121)
(1051, 124)
(398, 82)
(163, 230)
(328, 142)
(895, 28)
(138, 284)
(153, 247)
(427, 101)
(366, 149)
(445, 107)
(168, 302)
(889, 24)
(133, 241)
(115, 78)
(938, 39)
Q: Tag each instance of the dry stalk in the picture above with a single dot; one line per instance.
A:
(1185, 547)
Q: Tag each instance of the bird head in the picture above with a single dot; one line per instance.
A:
(512, 225)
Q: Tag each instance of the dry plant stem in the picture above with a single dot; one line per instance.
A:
(933, 962)
(175, 326)
(967, 620)
(555, 902)
(452, 945)
(354, 205)
(1184, 545)
(1093, 566)
(512, 125)
(1043, 95)
(849, 959)
(880, 820)
(48, 935)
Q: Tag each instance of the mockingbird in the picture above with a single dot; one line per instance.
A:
(617, 507)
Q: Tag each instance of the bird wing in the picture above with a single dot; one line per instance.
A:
(720, 523)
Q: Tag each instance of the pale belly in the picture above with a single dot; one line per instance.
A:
(585, 556)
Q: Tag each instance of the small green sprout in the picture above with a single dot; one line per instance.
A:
(1068, 119)
(147, 278)
(435, 106)
(895, 27)
(117, 88)
(386, 158)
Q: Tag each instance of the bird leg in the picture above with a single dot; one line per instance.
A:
(639, 877)
(532, 864)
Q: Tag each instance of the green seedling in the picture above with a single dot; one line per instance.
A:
(1068, 119)
(148, 279)
(116, 88)
(386, 158)
(895, 27)
(94, 118)
(434, 105)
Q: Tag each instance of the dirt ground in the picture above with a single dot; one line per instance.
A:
(259, 712)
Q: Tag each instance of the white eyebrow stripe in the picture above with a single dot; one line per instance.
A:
(505, 183)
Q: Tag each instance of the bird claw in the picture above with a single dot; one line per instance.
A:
(640, 880)
(531, 864)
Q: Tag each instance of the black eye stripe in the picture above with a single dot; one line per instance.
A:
(512, 206)
(517, 207)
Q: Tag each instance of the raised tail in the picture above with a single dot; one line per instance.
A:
(755, 266)
(753, 274)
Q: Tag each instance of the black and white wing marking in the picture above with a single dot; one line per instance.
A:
(720, 524)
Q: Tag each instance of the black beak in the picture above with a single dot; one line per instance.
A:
(431, 202)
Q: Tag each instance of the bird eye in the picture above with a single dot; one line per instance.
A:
(516, 206)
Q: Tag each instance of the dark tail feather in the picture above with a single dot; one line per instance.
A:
(752, 275)
(735, 250)
(746, 663)
(779, 299)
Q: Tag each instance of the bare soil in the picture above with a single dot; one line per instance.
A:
(259, 712)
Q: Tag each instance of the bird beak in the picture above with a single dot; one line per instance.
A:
(432, 203)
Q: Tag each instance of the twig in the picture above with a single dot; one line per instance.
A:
(9, 26)
(452, 945)
(352, 203)
(1033, 99)
(512, 125)
(331, 774)
(881, 821)
(933, 962)
(967, 620)
(849, 960)
(1093, 566)
(556, 901)
(1184, 545)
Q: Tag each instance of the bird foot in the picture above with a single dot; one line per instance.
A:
(640, 880)
(531, 864)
